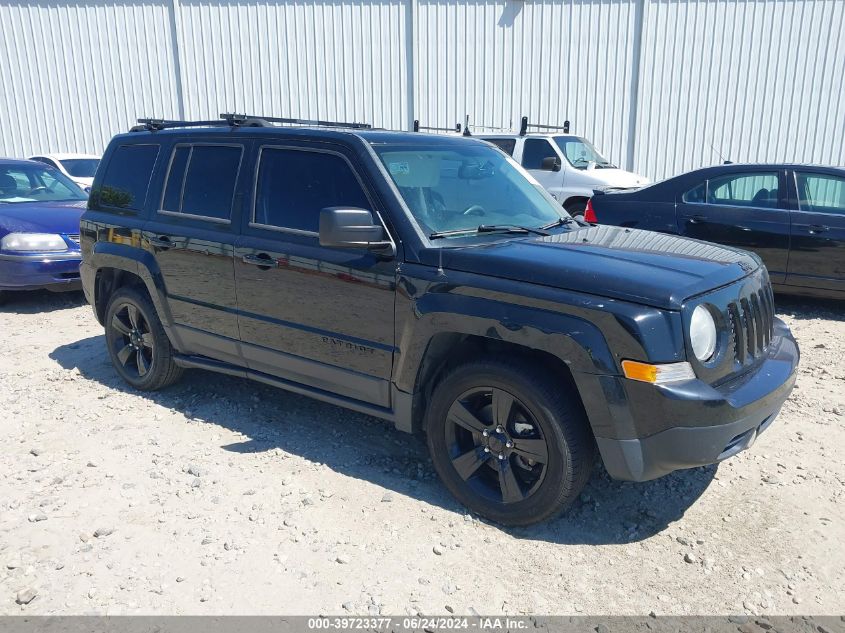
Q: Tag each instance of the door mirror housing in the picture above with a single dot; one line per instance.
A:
(550, 163)
(349, 227)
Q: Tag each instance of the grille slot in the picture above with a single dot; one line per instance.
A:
(752, 324)
(74, 238)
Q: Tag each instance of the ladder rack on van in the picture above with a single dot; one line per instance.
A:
(524, 125)
(464, 130)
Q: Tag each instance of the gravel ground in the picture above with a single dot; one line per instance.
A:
(221, 496)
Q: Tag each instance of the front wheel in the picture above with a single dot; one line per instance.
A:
(507, 442)
(136, 341)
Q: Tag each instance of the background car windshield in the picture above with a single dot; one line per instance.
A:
(460, 188)
(81, 167)
(580, 152)
(30, 183)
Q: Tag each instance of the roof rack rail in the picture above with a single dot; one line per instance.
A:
(149, 125)
(238, 120)
(523, 128)
(262, 121)
(464, 130)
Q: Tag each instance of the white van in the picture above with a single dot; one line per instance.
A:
(568, 166)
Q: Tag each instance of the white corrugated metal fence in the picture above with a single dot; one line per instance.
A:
(662, 86)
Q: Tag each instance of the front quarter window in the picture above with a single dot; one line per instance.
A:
(465, 185)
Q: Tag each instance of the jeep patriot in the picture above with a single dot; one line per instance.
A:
(430, 281)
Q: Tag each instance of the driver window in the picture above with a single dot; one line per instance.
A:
(534, 151)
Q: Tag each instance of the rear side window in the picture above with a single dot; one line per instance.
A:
(507, 145)
(821, 193)
(127, 178)
(758, 189)
(201, 180)
(294, 185)
(535, 150)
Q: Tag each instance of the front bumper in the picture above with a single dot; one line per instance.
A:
(54, 271)
(700, 424)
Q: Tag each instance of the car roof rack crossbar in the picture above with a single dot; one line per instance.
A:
(458, 128)
(524, 125)
(418, 127)
(248, 120)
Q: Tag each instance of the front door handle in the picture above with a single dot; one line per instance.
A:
(817, 228)
(262, 260)
(161, 241)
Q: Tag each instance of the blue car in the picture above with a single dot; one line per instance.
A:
(39, 228)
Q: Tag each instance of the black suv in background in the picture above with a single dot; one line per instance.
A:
(428, 280)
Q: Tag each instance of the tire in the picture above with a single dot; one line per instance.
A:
(576, 207)
(542, 421)
(137, 344)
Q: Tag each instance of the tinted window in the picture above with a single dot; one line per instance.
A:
(822, 193)
(536, 149)
(175, 179)
(293, 186)
(507, 145)
(696, 194)
(127, 178)
(202, 180)
(759, 189)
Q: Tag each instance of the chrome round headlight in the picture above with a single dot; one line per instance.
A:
(702, 334)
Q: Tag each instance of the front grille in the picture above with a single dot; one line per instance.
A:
(752, 323)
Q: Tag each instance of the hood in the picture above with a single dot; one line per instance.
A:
(609, 261)
(617, 177)
(41, 217)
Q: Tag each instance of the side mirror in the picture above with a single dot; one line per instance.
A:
(550, 163)
(591, 165)
(348, 227)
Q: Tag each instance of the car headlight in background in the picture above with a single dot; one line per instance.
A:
(702, 333)
(33, 243)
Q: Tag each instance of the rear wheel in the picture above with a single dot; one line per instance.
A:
(136, 341)
(507, 442)
(576, 207)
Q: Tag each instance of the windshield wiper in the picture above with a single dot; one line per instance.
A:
(488, 228)
(563, 222)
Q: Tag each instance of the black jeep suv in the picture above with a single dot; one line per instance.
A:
(428, 280)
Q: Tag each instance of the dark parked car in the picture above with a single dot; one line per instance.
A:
(39, 228)
(428, 281)
(792, 216)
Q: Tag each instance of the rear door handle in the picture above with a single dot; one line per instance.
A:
(696, 219)
(262, 260)
(817, 228)
(160, 242)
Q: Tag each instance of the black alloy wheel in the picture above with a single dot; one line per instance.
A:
(496, 445)
(137, 343)
(509, 438)
(131, 339)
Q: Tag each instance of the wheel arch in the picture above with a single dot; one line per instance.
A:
(119, 265)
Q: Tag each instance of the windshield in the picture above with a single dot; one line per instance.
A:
(580, 152)
(36, 183)
(466, 185)
(81, 167)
